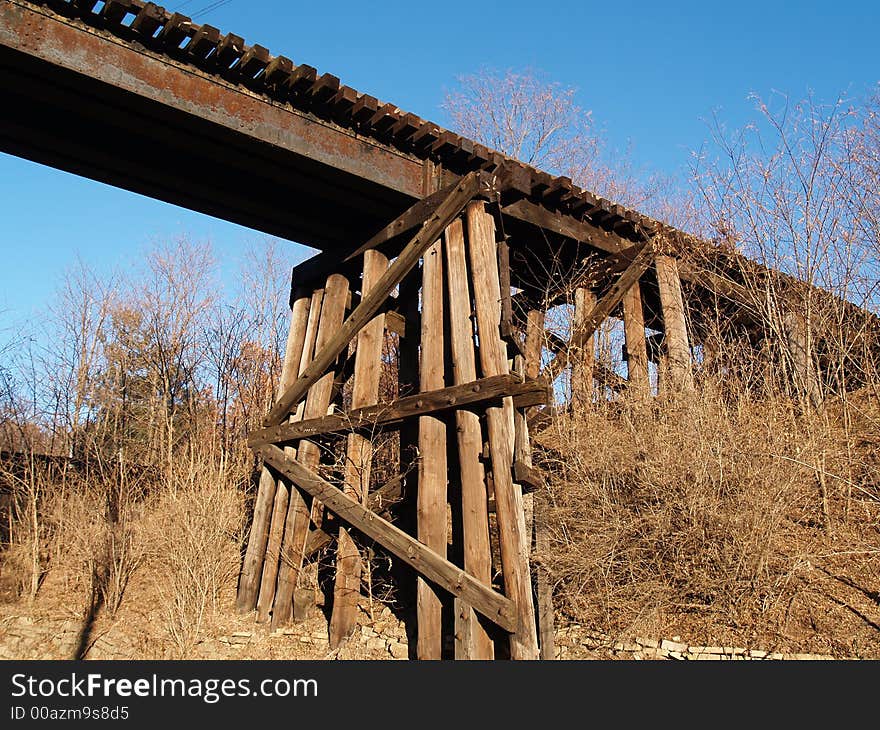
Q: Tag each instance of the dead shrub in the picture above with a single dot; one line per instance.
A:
(197, 524)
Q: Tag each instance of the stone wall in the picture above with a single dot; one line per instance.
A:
(576, 642)
(380, 635)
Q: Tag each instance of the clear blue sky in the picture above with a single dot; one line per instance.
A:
(649, 71)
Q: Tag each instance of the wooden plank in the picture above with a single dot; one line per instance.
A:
(466, 189)
(508, 495)
(299, 341)
(414, 216)
(606, 304)
(526, 474)
(567, 226)
(471, 639)
(432, 472)
(507, 329)
(634, 335)
(679, 375)
(318, 399)
(582, 356)
(544, 591)
(422, 559)
(529, 393)
(359, 458)
(252, 566)
(381, 501)
(534, 342)
(465, 619)
(546, 619)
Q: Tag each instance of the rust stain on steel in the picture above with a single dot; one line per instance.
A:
(139, 71)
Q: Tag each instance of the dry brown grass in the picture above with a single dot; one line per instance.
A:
(100, 528)
(718, 513)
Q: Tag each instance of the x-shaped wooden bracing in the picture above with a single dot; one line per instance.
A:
(433, 216)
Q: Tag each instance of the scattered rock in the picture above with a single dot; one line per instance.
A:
(673, 646)
(398, 650)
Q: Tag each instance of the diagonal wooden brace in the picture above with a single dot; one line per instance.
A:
(423, 560)
(446, 212)
(603, 308)
(414, 216)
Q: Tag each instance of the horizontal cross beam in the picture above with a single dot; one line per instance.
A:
(527, 393)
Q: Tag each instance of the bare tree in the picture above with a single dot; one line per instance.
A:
(532, 119)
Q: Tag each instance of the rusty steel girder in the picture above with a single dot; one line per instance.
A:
(80, 99)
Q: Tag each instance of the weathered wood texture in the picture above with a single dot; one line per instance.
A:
(634, 336)
(472, 640)
(431, 505)
(508, 495)
(582, 356)
(300, 340)
(249, 580)
(316, 404)
(425, 561)
(532, 364)
(546, 619)
(532, 392)
(678, 376)
(534, 342)
(466, 189)
(359, 457)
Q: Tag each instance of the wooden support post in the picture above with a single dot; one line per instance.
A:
(255, 556)
(797, 341)
(546, 619)
(465, 618)
(582, 355)
(534, 342)
(359, 457)
(546, 631)
(431, 507)
(471, 639)
(678, 351)
(525, 394)
(297, 356)
(508, 495)
(317, 400)
(634, 334)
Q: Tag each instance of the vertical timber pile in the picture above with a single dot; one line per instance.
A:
(678, 373)
(508, 495)
(305, 323)
(634, 335)
(271, 499)
(431, 509)
(472, 640)
(316, 403)
(582, 357)
(359, 456)
(532, 349)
